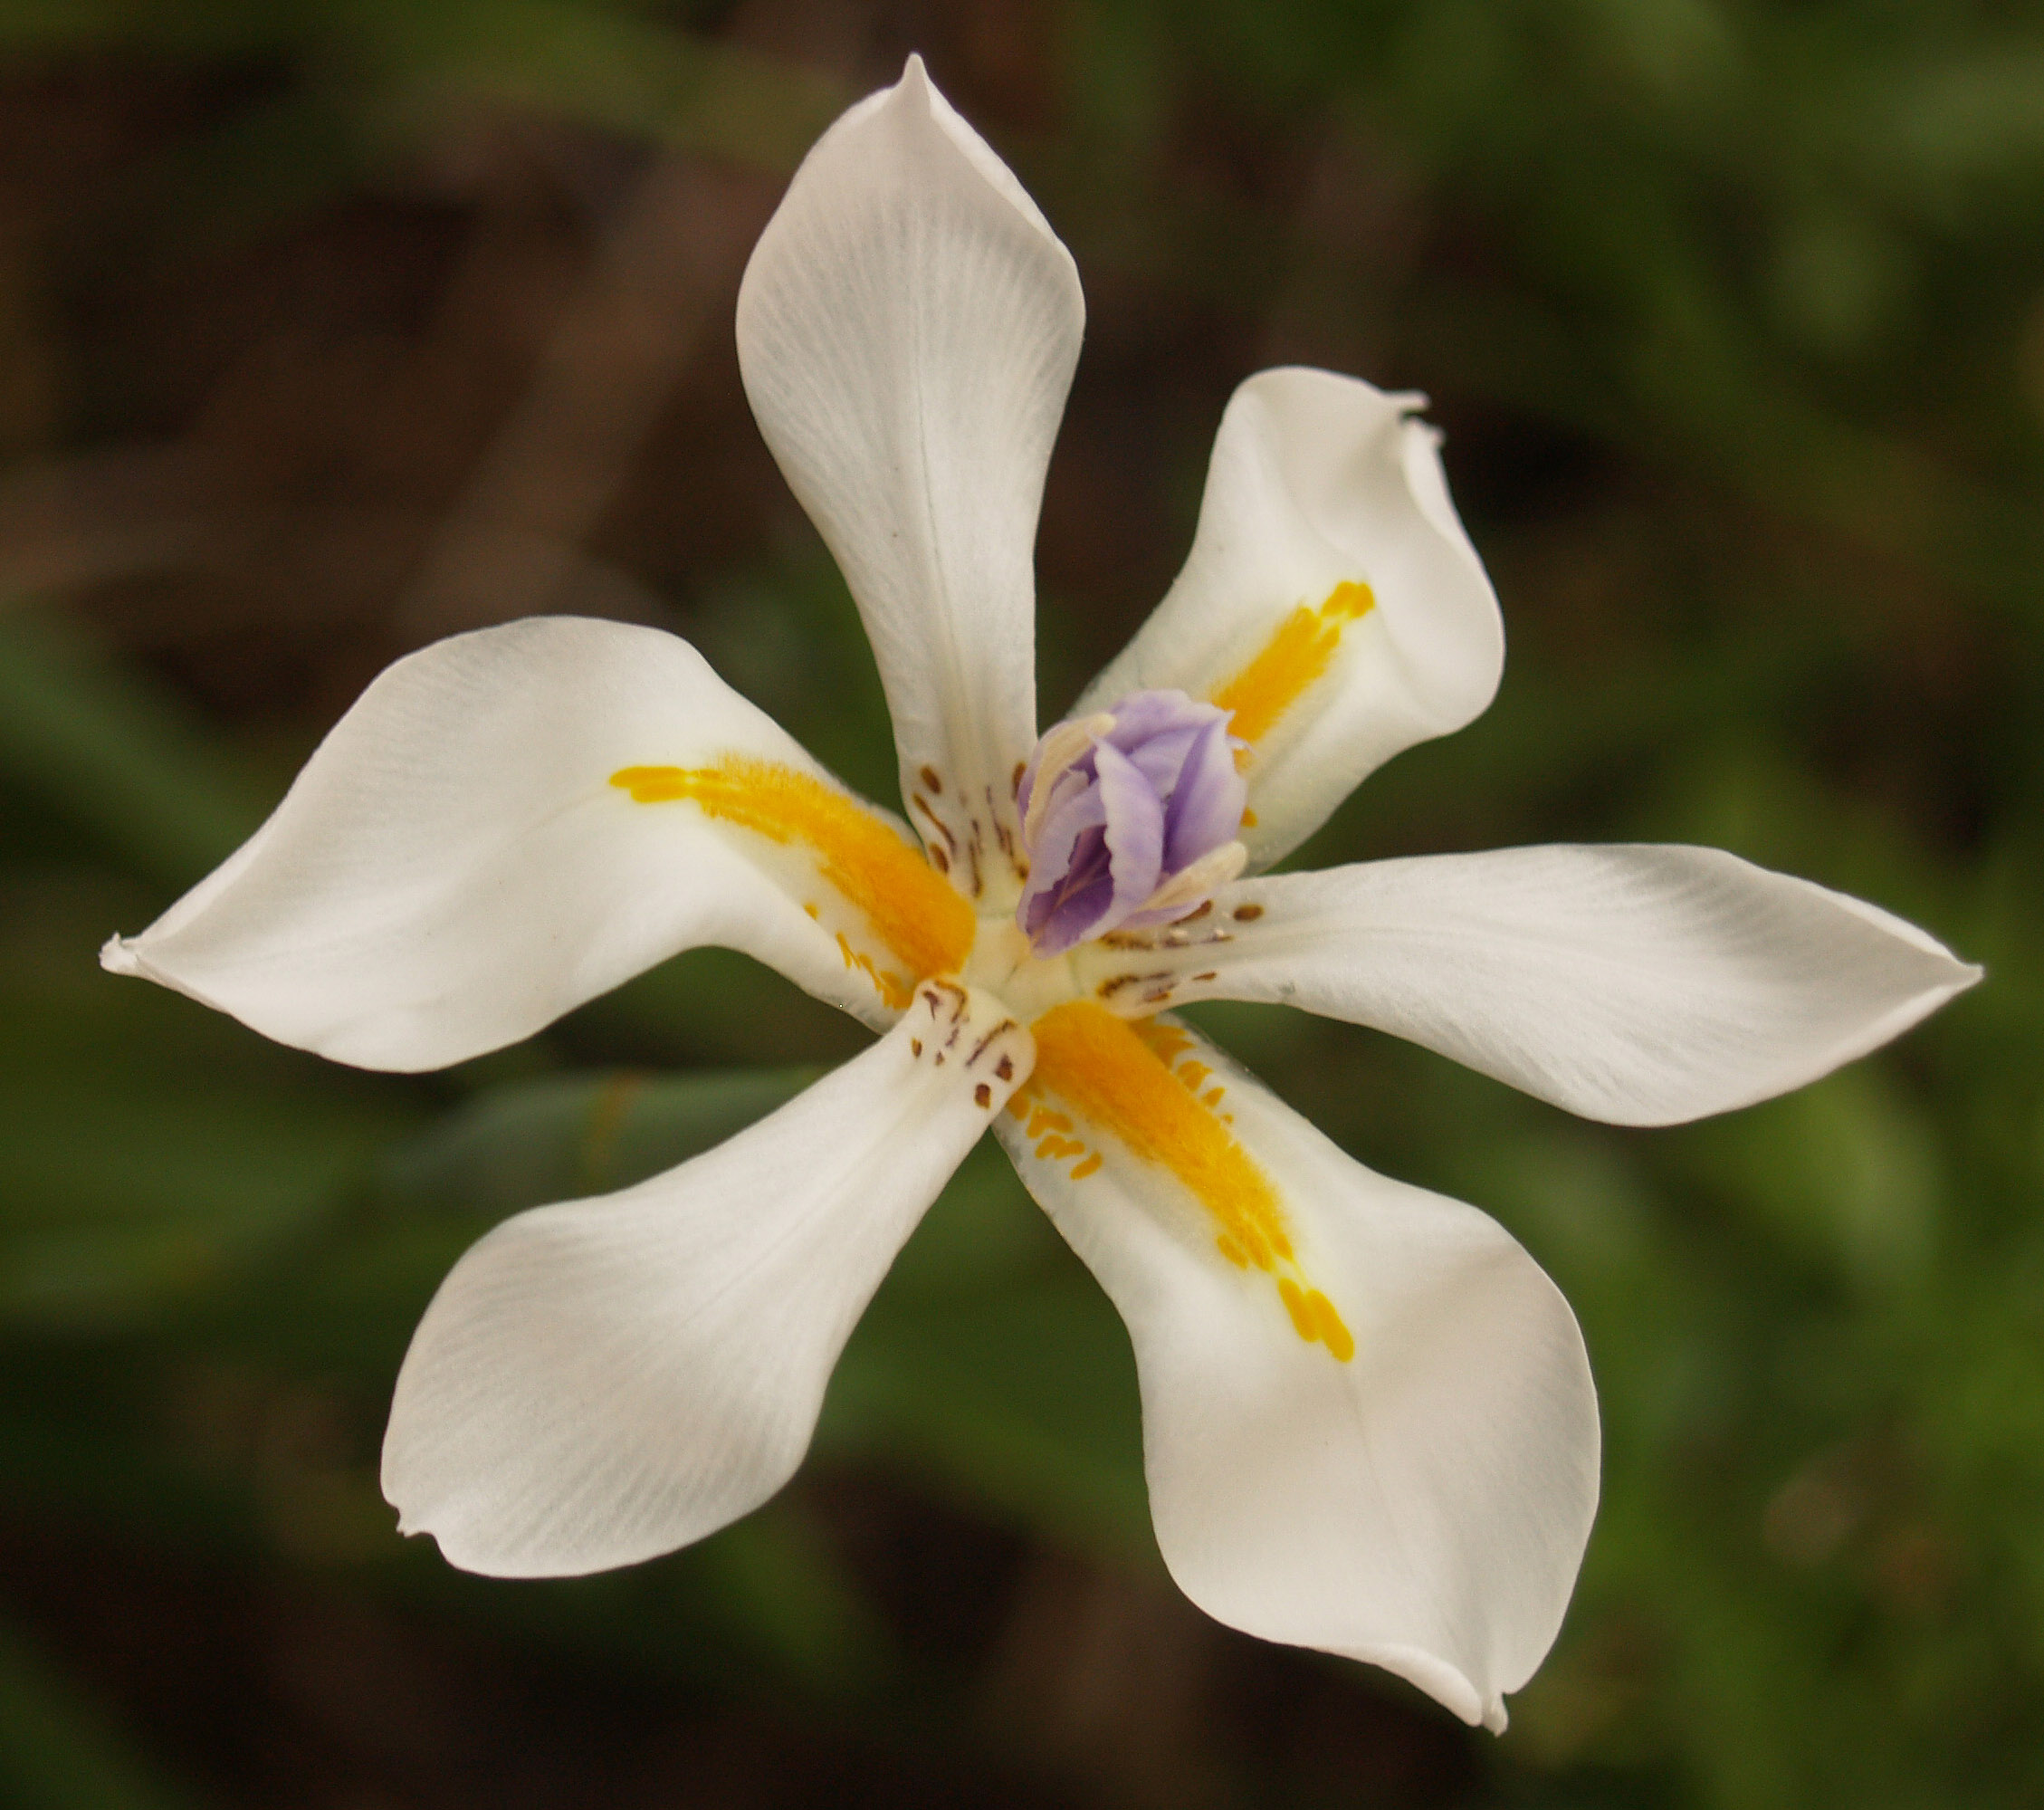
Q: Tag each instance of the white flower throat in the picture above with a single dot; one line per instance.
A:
(1128, 822)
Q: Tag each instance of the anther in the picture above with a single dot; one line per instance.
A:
(1215, 868)
(1067, 742)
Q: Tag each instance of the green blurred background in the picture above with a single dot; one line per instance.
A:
(330, 328)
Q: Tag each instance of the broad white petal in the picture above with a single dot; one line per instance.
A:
(456, 865)
(1637, 983)
(907, 330)
(1320, 484)
(604, 1381)
(1420, 1499)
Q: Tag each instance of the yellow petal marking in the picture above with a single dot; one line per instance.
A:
(1299, 653)
(1120, 1076)
(1042, 1127)
(1333, 1334)
(919, 917)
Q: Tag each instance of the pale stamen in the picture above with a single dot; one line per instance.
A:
(1064, 745)
(1188, 886)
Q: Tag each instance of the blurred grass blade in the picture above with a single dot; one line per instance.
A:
(601, 64)
(785, 1591)
(1022, 1402)
(565, 1136)
(112, 752)
(213, 27)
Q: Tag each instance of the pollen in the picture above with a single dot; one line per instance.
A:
(1298, 655)
(917, 916)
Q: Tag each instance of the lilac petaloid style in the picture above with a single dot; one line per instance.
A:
(1129, 819)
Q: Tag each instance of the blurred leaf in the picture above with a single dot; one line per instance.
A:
(1844, 1170)
(350, 1299)
(116, 754)
(570, 1135)
(1022, 1401)
(202, 26)
(605, 64)
(150, 1149)
(984, 1234)
(710, 1008)
(783, 1591)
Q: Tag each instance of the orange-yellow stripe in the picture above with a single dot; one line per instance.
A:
(921, 918)
(1298, 654)
(1100, 1065)
(1119, 1077)
(1333, 1334)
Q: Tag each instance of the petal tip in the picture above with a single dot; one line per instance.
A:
(411, 1525)
(116, 956)
(1441, 1679)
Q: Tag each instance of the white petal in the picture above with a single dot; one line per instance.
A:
(907, 329)
(1320, 481)
(455, 867)
(1637, 983)
(1422, 1505)
(604, 1381)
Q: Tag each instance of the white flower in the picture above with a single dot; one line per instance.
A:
(1369, 1421)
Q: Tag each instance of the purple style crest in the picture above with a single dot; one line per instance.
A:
(1129, 819)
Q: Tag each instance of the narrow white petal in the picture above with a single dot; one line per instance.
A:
(1321, 481)
(1421, 1503)
(1638, 983)
(907, 329)
(604, 1381)
(454, 867)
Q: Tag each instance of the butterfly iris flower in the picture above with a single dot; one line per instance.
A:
(1368, 1423)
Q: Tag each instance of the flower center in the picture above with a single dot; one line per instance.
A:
(1129, 819)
